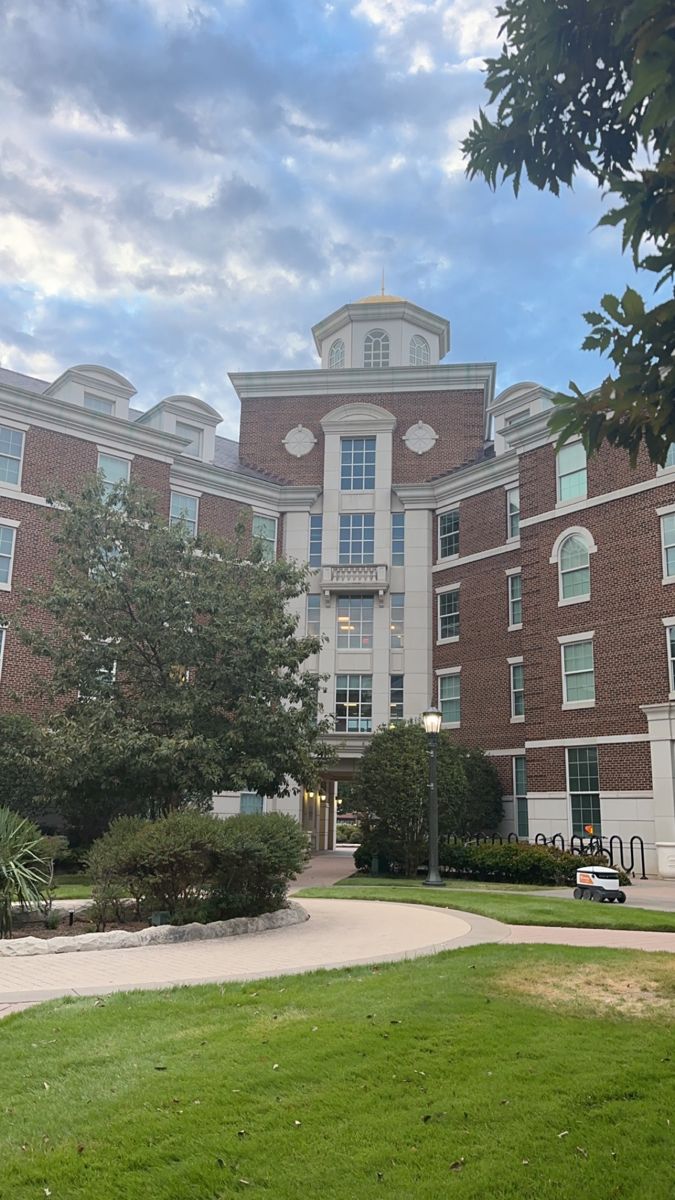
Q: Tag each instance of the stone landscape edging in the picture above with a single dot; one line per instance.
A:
(120, 939)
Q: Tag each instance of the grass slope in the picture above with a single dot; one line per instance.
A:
(415, 1080)
(72, 887)
(514, 909)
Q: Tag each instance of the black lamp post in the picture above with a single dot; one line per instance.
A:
(431, 720)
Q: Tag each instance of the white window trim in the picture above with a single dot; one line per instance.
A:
(567, 640)
(13, 525)
(181, 491)
(586, 536)
(582, 743)
(114, 452)
(445, 558)
(666, 511)
(20, 428)
(574, 499)
(509, 572)
(441, 672)
(441, 591)
(668, 623)
(257, 512)
(3, 641)
(508, 488)
(515, 661)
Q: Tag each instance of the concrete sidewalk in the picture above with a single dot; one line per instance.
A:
(340, 933)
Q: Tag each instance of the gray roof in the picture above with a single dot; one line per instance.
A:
(18, 380)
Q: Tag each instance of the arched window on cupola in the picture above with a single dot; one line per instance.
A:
(376, 349)
(336, 354)
(420, 354)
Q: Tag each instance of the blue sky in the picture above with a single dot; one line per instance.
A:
(187, 186)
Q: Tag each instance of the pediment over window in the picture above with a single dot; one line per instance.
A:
(358, 418)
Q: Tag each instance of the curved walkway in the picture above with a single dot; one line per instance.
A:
(340, 933)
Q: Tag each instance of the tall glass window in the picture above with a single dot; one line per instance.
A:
(571, 472)
(448, 534)
(315, 538)
(584, 784)
(420, 355)
(578, 672)
(11, 453)
(668, 544)
(357, 538)
(184, 510)
(397, 539)
(336, 354)
(354, 622)
(357, 464)
(449, 694)
(513, 512)
(575, 570)
(353, 703)
(265, 532)
(395, 699)
(522, 814)
(448, 615)
(397, 614)
(517, 690)
(313, 616)
(376, 349)
(7, 534)
(114, 470)
(515, 586)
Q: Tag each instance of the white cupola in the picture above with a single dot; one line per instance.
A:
(379, 332)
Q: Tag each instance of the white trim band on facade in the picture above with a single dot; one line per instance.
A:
(447, 563)
(567, 638)
(448, 587)
(594, 501)
(448, 670)
(505, 753)
(612, 739)
(8, 521)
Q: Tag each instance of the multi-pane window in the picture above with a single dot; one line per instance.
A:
(517, 690)
(449, 695)
(448, 615)
(513, 512)
(313, 616)
(7, 533)
(670, 635)
(448, 534)
(357, 464)
(184, 511)
(397, 617)
(668, 540)
(520, 796)
(420, 355)
(114, 470)
(99, 404)
(353, 703)
(395, 698)
(397, 539)
(515, 586)
(584, 784)
(315, 536)
(265, 532)
(357, 538)
(670, 457)
(571, 472)
(11, 452)
(336, 354)
(251, 802)
(578, 672)
(355, 622)
(575, 571)
(376, 349)
(193, 434)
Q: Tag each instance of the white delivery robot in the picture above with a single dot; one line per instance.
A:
(598, 883)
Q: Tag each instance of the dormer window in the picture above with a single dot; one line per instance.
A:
(336, 354)
(99, 404)
(194, 435)
(376, 349)
(420, 355)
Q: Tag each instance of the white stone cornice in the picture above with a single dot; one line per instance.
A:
(362, 381)
(446, 492)
(48, 412)
(529, 434)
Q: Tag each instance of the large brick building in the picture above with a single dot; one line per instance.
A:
(455, 557)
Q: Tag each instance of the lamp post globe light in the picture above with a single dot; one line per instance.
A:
(431, 719)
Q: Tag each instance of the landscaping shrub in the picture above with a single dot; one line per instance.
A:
(196, 866)
(25, 867)
(516, 862)
(347, 833)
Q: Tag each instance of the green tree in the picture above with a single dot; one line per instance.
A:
(391, 792)
(174, 665)
(589, 85)
(21, 765)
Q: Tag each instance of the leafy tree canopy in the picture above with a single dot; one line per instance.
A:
(175, 669)
(589, 85)
(391, 792)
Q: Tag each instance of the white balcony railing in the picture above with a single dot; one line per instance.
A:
(360, 577)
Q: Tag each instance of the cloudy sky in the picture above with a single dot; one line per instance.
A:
(186, 186)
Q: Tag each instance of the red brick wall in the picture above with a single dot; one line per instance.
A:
(482, 523)
(33, 551)
(221, 517)
(622, 767)
(457, 417)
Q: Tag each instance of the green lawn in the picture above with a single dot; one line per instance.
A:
(72, 887)
(487, 1073)
(514, 909)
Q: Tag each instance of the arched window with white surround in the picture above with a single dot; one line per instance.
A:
(572, 555)
(336, 354)
(376, 349)
(420, 354)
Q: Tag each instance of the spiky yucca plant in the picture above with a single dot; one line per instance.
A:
(25, 867)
